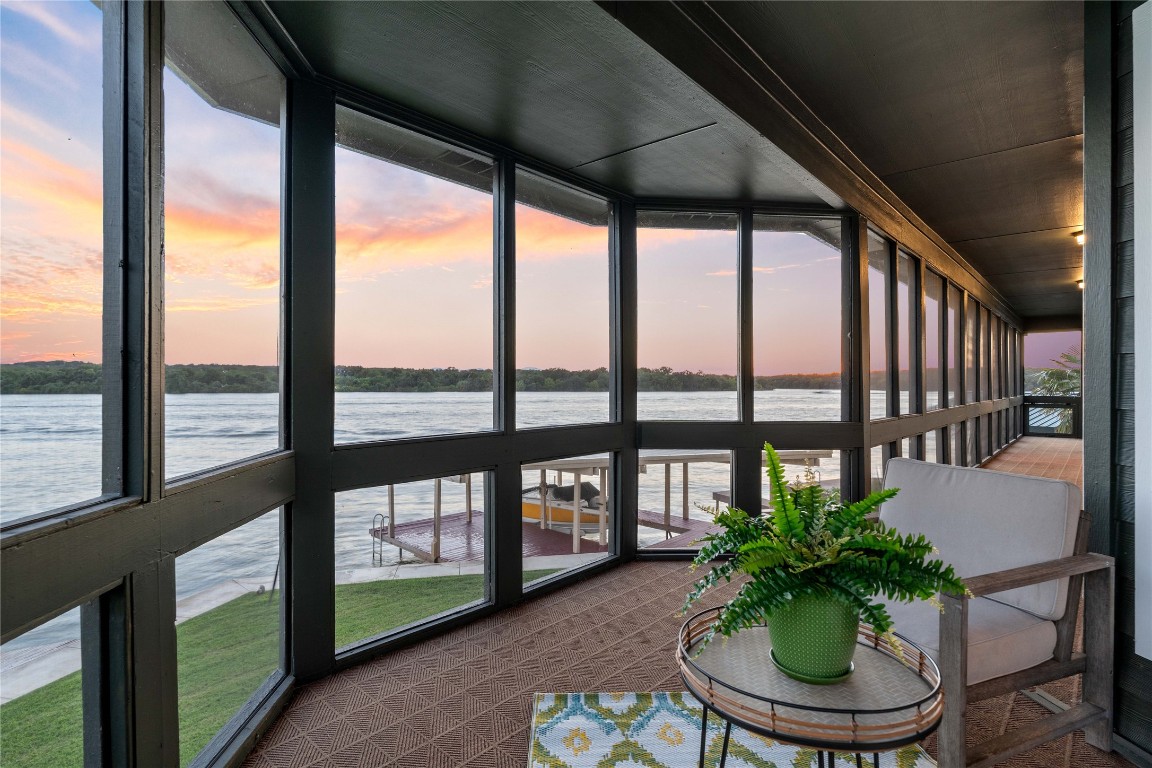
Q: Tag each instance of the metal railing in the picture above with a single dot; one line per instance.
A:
(1052, 416)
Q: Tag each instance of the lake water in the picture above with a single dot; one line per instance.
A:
(50, 457)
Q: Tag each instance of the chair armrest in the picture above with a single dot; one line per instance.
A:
(1037, 573)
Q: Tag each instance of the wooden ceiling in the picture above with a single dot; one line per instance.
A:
(970, 113)
(559, 81)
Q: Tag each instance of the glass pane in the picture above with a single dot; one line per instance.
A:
(934, 365)
(227, 626)
(955, 436)
(51, 237)
(973, 454)
(796, 276)
(930, 449)
(906, 448)
(563, 289)
(877, 467)
(1052, 363)
(551, 542)
(878, 324)
(407, 553)
(41, 705)
(680, 492)
(906, 304)
(955, 345)
(221, 240)
(688, 333)
(414, 295)
(971, 316)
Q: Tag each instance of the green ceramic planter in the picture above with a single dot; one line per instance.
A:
(814, 639)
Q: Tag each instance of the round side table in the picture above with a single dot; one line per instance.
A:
(888, 701)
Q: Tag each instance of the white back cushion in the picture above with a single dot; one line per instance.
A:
(984, 521)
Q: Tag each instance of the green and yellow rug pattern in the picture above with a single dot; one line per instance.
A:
(662, 730)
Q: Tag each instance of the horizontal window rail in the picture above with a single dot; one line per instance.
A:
(1052, 416)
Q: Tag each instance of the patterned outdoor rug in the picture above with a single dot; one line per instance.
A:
(661, 730)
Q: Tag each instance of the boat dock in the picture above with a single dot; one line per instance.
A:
(546, 522)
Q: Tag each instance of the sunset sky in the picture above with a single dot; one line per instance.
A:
(414, 253)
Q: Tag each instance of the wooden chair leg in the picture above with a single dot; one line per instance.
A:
(954, 677)
(1099, 593)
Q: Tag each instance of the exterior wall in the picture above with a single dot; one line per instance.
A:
(1109, 470)
(1133, 673)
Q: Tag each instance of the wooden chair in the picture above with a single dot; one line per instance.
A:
(1020, 543)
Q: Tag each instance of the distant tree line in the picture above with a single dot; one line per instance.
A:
(73, 378)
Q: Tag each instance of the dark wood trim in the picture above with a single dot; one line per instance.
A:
(784, 435)
(78, 562)
(892, 430)
(152, 664)
(1098, 327)
(150, 218)
(270, 34)
(116, 404)
(746, 331)
(308, 118)
(104, 674)
(626, 466)
(401, 461)
(917, 385)
(504, 300)
(855, 352)
(734, 206)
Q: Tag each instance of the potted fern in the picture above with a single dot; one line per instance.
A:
(816, 568)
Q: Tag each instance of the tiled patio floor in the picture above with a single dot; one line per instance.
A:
(1059, 458)
(464, 698)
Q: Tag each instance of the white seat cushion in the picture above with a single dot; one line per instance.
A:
(1001, 639)
(983, 521)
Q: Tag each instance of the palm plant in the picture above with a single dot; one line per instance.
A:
(813, 545)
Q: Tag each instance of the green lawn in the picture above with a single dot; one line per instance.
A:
(223, 656)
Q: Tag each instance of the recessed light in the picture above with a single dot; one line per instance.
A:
(1080, 284)
(1079, 235)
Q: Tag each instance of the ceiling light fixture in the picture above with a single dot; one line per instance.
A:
(1079, 235)
(1080, 284)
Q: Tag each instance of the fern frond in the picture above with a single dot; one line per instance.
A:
(787, 518)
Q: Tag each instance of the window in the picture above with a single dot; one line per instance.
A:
(955, 353)
(408, 553)
(566, 515)
(414, 295)
(41, 703)
(935, 364)
(877, 467)
(879, 325)
(688, 333)
(907, 305)
(798, 334)
(221, 240)
(971, 349)
(679, 493)
(931, 452)
(51, 235)
(563, 312)
(227, 626)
